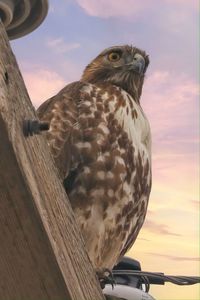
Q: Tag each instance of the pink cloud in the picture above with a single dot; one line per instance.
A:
(125, 8)
(171, 104)
(112, 8)
(170, 101)
(42, 84)
(187, 3)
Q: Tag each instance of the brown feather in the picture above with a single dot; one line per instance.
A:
(100, 140)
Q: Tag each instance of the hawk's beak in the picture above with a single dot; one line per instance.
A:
(138, 64)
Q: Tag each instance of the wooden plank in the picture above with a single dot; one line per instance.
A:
(42, 254)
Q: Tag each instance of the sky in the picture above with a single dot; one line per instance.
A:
(55, 54)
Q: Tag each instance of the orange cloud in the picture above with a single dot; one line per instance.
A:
(176, 258)
(195, 204)
(158, 228)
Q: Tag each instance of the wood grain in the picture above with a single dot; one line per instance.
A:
(42, 254)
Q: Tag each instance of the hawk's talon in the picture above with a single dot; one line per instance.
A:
(105, 276)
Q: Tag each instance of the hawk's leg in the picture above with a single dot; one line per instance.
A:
(105, 276)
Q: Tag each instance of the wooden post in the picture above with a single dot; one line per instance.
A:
(42, 254)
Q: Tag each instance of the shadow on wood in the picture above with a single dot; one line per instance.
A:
(42, 254)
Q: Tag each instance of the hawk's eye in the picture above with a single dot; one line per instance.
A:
(114, 56)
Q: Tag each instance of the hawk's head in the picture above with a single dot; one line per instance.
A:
(124, 66)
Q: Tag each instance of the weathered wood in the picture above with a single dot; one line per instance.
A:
(42, 254)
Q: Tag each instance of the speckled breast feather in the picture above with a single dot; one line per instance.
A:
(100, 139)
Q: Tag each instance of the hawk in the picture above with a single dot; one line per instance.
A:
(100, 139)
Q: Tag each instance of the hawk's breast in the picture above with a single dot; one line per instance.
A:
(111, 144)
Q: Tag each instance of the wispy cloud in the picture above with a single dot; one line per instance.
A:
(176, 258)
(51, 8)
(112, 8)
(170, 103)
(126, 8)
(43, 81)
(60, 45)
(191, 4)
(42, 84)
(159, 228)
(143, 239)
(195, 204)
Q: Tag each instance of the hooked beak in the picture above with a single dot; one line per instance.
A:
(138, 64)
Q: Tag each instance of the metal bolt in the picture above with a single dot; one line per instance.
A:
(31, 127)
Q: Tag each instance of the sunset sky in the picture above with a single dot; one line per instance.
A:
(55, 54)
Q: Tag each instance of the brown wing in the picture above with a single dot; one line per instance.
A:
(132, 237)
(61, 111)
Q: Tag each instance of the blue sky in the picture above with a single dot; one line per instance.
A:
(165, 29)
(55, 54)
